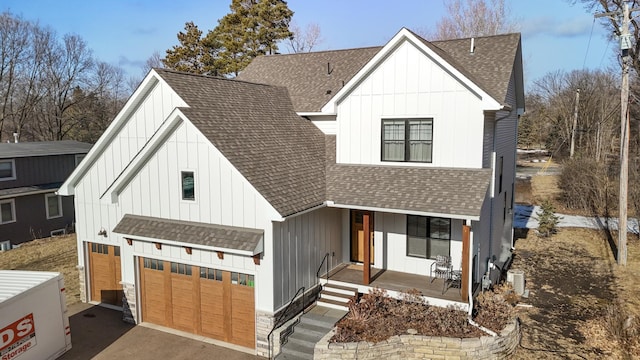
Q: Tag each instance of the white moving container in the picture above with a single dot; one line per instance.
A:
(34, 323)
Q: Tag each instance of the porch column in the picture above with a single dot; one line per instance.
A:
(466, 242)
(367, 249)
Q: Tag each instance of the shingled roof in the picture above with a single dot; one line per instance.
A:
(256, 128)
(450, 191)
(225, 237)
(313, 78)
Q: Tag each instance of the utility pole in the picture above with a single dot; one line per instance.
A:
(575, 124)
(625, 46)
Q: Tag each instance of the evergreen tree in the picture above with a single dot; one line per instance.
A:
(547, 219)
(194, 54)
(251, 29)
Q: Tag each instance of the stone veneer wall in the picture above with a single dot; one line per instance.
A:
(409, 347)
(82, 283)
(264, 324)
(129, 303)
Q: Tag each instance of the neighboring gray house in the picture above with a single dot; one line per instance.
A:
(30, 175)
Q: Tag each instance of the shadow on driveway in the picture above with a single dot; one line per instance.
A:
(100, 333)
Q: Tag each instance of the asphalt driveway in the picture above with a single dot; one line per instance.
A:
(100, 333)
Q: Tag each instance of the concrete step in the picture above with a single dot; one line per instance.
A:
(311, 329)
(307, 340)
(323, 321)
(296, 351)
(326, 294)
(346, 290)
(333, 304)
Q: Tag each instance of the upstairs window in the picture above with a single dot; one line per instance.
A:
(188, 185)
(54, 206)
(7, 211)
(7, 170)
(409, 140)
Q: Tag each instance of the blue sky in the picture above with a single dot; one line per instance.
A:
(126, 32)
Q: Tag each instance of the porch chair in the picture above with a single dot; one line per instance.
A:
(454, 280)
(440, 268)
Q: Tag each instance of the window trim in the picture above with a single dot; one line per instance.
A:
(182, 198)
(13, 211)
(81, 157)
(5, 245)
(46, 205)
(427, 238)
(406, 139)
(13, 169)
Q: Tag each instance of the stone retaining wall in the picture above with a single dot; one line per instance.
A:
(409, 347)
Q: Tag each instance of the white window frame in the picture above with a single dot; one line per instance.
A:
(13, 169)
(46, 205)
(195, 190)
(58, 232)
(13, 211)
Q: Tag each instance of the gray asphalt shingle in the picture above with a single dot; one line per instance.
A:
(42, 148)
(226, 237)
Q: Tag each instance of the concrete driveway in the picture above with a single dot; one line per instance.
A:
(100, 333)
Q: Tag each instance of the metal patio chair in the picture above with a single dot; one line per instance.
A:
(440, 268)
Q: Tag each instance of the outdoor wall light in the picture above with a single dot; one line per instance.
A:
(102, 232)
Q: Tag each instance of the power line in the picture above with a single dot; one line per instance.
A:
(604, 54)
(589, 43)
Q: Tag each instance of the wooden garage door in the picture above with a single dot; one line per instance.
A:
(105, 274)
(204, 301)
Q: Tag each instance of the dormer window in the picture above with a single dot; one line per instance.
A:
(407, 140)
(7, 170)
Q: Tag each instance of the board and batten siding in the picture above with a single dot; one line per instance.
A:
(409, 84)
(300, 243)
(31, 219)
(391, 236)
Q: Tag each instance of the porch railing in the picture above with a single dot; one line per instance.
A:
(276, 324)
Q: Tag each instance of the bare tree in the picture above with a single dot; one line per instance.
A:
(470, 18)
(304, 40)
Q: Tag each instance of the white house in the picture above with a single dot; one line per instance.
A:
(209, 203)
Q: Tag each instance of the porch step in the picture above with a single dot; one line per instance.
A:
(312, 327)
(340, 289)
(330, 295)
(337, 296)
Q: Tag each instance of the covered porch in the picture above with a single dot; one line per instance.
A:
(436, 292)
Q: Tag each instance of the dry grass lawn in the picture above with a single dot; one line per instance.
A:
(51, 254)
(580, 297)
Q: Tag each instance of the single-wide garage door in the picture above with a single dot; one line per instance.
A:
(204, 301)
(105, 274)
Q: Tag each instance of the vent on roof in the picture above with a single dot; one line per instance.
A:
(473, 46)
(329, 69)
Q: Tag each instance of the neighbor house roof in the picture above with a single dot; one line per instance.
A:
(257, 129)
(29, 190)
(218, 236)
(42, 148)
(447, 191)
(313, 78)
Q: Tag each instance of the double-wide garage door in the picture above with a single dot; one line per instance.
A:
(204, 301)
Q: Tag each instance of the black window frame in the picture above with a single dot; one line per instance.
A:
(12, 169)
(407, 140)
(426, 237)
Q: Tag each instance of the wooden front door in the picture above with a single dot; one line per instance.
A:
(357, 235)
(105, 274)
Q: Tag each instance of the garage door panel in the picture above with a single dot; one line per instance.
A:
(154, 297)
(211, 308)
(182, 302)
(243, 315)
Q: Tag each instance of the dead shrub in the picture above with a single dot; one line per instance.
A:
(589, 185)
(492, 309)
(623, 327)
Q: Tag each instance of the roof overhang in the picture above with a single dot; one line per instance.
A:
(403, 211)
(488, 102)
(227, 239)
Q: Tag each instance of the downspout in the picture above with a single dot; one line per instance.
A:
(470, 279)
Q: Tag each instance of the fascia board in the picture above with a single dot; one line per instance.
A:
(489, 103)
(170, 124)
(403, 211)
(258, 250)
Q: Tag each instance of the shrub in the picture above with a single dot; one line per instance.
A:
(492, 309)
(547, 219)
(623, 328)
